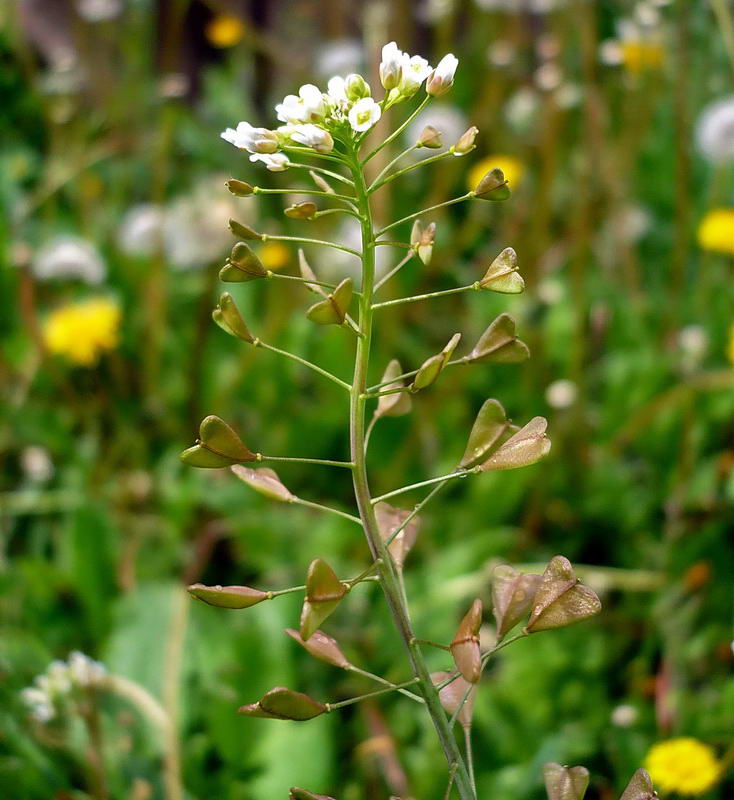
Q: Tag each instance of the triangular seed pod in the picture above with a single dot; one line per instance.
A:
(465, 645)
(303, 794)
(227, 596)
(452, 694)
(282, 703)
(324, 592)
(493, 186)
(421, 239)
(265, 481)
(465, 144)
(321, 646)
(389, 519)
(528, 446)
(432, 367)
(217, 446)
(565, 783)
(561, 600)
(239, 188)
(229, 319)
(242, 231)
(639, 788)
(491, 429)
(308, 274)
(393, 405)
(242, 265)
(333, 310)
(498, 344)
(301, 210)
(512, 597)
(430, 137)
(321, 183)
(502, 275)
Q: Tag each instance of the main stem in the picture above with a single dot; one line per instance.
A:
(387, 571)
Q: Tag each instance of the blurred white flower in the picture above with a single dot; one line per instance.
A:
(339, 56)
(275, 162)
(433, 11)
(254, 140)
(630, 223)
(364, 114)
(36, 464)
(624, 716)
(85, 671)
(693, 342)
(442, 77)
(548, 76)
(715, 131)
(69, 257)
(446, 119)
(521, 108)
(173, 85)
(501, 53)
(141, 230)
(99, 10)
(561, 394)
(516, 6)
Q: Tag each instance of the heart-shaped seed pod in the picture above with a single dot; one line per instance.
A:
(640, 787)
(217, 446)
(265, 481)
(242, 266)
(301, 210)
(227, 596)
(493, 186)
(321, 646)
(389, 519)
(499, 345)
(490, 430)
(333, 310)
(324, 592)
(282, 703)
(430, 138)
(239, 188)
(309, 275)
(242, 231)
(453, 693)
(565, 783)
(502, 275)
(397, 404)
(465, 645)
(432, 367)
(465, 143)
(229, 319)
(512, 596)
(528, 446)
(561, 600)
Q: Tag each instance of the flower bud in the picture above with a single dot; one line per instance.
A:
(639, 788)
(239, 188)
(561, 600)
(301, 210)
(452, 695)
(356, 87)
(242, 231)
(565, 783)
(465, 144)
(465, 645)
(321, 646)
(282, 703)
(229, 319)
(217, 446)
(391, 66)
(430, 137)
(324, 592)
(422, 240)
(442, 78)
(227, 596)
(493, 186)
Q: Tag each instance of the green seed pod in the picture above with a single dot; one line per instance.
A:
(227, 596)
(499, 345)
(282, 703)
(465, 144)
(303, 794)
(393, 405)
(321, 646)
(242, 265)
(324, 592)
(239, 188)
(524, 448)
(512, 597)
(565, 783)
(430, 137)
(301, 210)
(265, 481)
(639, 788)
(229, 319)
(493, 186)
(242, 231)
(333, 310)
(491, 429)
(502, 275)
(217, 446)
(561, 600)
(432, 367)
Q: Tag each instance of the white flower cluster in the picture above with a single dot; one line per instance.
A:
(315, 119)
(58, 682)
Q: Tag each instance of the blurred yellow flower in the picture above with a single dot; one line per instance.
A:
(225, 31)
(511, 166)
(82, 331)
(683, 765)
(637, 56)
(716, 231)
(274, 255)
(730, 346)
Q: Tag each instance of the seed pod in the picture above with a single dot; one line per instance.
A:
(561, 600)
(242, 231)
(321, 183)
(512, 596)
(303, 794)
(452, 695)
(227, 596)
(308, 274)
(502, 275)
(324, 592)
(491, 429)
(239, 188)
(242, 266)
(265, 481)
(217, 446)
(565, 783)
(528, 446)
(639, 788)
(422, 240)
(333, 310)
(229, 319)
(282, 703)
(499, 345)
(301, 210)
(432, 367)
(430, 137)
(493, 186)
(465, 645)
(321, 646)
(466, 142)
(389, 519)
(393, 405)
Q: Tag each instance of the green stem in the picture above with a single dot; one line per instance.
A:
(394, 271)
(378, 184)
(424, 502)
(469, 756)
(378, 181)
(417, 297)
(324, 462)
(294, 357)
(459, 473)
(329, 286)
(335, 175)
(352, 700)
(394, 135)
(266, 237)
(307, 151)
(388, 572)
(451, 202)
(308, 504)
(327, 211)
(384, 682)
(315, 192)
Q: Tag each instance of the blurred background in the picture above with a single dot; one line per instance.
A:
(614, 122)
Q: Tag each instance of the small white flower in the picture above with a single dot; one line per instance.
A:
(85, 671)
(715, 131)
(275, 162)
(442, 78)
(69, 257)
(391, 66)
(32, 696)
(254, 140)
(336, 89)
(364, 114)
(308, 106)
(414, 71)
(310, 135)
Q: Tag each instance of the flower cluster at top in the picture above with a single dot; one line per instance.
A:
(58, 683)
(315, 119)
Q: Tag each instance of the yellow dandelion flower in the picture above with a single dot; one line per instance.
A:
(225, 31)
(638, 56)
(683, 765)
(716, 231)
(81, 332)
(274, 255)
(511, 166)
(730, 346)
